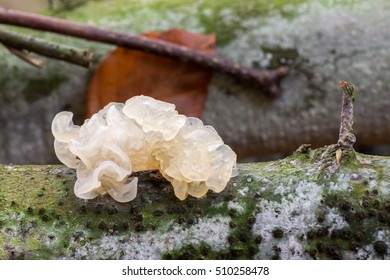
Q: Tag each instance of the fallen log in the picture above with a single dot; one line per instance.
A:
(306, 206)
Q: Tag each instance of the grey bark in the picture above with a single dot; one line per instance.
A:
(320, 44)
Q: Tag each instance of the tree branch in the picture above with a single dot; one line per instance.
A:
(346, 136)
(266, 79)
(285, 209)
(84, 58)
(25, 57)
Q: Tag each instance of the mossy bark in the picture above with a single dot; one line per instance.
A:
(306, 206)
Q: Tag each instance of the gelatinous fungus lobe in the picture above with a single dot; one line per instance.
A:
(142, 134)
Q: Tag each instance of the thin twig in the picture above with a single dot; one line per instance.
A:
(18, 41)
(266, 79)
(26, 57)
(346, 136)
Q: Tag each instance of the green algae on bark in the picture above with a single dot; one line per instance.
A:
(301, 207)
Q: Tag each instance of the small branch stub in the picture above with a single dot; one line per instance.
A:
(26, 57)
(346, 136)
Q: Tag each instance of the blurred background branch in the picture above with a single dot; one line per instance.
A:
(14, 40)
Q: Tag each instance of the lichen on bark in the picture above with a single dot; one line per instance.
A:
(293, 208)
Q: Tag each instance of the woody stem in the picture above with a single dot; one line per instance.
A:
(346, 136)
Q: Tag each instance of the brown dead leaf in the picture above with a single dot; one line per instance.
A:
(125, 73)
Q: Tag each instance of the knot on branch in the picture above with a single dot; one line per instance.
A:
(347, 140)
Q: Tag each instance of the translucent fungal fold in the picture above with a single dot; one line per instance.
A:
(142, 134)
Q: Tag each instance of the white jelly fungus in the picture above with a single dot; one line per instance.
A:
(142, 134)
